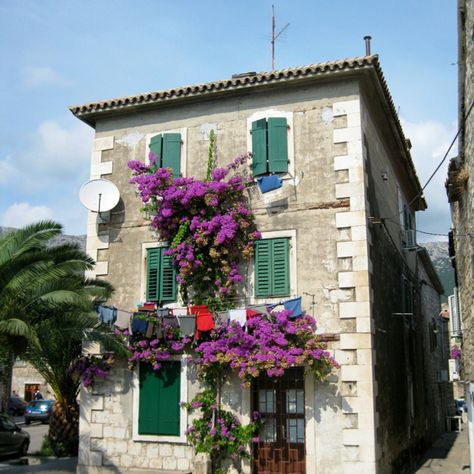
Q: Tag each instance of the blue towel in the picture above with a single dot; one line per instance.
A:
(139, 325)
(269, 183)
(294, 305)
(107, 314)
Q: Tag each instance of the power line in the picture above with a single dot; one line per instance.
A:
(461, 127)
(424, 231)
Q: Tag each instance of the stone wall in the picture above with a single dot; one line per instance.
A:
(463, 210)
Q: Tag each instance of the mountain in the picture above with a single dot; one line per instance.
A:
(438, 252)
(61, 239)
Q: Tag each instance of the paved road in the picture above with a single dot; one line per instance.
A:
(37, 432)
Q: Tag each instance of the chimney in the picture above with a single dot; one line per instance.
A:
(367, 44)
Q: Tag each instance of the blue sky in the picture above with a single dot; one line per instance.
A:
(61, 53)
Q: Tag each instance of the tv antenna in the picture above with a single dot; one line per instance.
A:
(275, 36)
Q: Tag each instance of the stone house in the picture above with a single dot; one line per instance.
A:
(345, 218)
(461, 196)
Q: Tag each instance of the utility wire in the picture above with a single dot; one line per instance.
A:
(461, 127)
(424, 231)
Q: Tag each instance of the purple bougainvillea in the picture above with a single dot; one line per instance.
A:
(208, 224)
(91, 367)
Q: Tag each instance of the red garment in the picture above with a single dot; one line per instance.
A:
(204, 319)
(250, 313)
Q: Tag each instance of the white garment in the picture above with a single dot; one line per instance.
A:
(123, 319)
(239, 315)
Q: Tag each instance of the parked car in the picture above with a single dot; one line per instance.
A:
(38, 410)
(13, 440)
(460, 406)
(16, 406)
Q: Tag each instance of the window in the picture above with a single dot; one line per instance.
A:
(272, 267)
(160, 276)
(159, 400)
(167, 148)
(409, 226)
(270, 146)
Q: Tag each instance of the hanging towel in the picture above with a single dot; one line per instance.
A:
(187, 325)
(250, 313)
(294, 305)
(139, 325)
(239, 315)
(123, 319)
(269, 183)
(223, 317)
(107, 314)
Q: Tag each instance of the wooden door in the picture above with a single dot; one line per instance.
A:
(30, 389)
(281, 446)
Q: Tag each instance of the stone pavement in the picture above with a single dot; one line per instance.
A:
(449, 454)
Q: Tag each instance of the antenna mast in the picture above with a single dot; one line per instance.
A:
(274, 37)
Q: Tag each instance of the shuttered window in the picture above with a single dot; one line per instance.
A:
(167, 149)
(272, 267)
(159, 399)
(161, 276)
(270, 146)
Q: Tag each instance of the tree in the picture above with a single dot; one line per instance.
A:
(32, 274)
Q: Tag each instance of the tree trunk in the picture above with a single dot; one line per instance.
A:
(64, 429)
(7, 368)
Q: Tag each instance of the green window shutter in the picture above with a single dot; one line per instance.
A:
(259, 147)
(167, 278)
(281, 267)
(272, 267)
(169, 398)
(263, 268)
(147, 401)
(277, 145)
(153, 263)
(159, 399)
(172, 153)
(156, 146)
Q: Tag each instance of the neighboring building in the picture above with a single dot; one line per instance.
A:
(461, 196)
(26, 380)
(345, 224)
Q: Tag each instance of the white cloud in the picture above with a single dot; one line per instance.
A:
(43, 76)
(21, 214)
(430, 142)
(53, 155)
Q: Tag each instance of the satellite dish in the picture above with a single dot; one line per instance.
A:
(99, 195)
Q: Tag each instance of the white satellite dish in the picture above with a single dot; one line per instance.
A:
(99, 195)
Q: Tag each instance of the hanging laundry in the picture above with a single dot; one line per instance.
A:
(123, 319)
(269, 183)
(239, 315)
(107, 314)
(187, 325)
(204, 319)
(251, 313)
(294, 305)
(139, 325)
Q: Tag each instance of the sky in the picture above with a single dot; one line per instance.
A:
(59, 53)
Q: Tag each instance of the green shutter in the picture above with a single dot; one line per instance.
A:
(281, 267)
(167, 278)
(172, 153)
(147, 400)
(153, 262)
(169, 398)
(156, 148)
(263, 268)
(277, 145)
(259, 147)
(159, 399)
(272, 267)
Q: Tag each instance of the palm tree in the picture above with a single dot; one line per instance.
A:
(60, 335)
(33, 274)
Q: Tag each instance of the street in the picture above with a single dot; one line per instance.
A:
(37, 432)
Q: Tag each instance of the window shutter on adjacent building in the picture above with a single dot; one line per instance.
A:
(277, 145)
(172, 153)
(167, 148)
(161, 276)
(159, 399)
(272, 268)
(259, 147)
